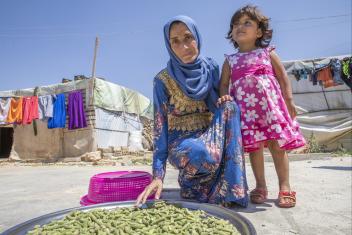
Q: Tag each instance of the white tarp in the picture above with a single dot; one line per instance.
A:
(325, 112)
(115, 128)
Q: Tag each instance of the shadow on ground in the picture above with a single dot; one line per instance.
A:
(340, 168)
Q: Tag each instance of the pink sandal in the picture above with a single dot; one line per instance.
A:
(291, 195)
(258, 195)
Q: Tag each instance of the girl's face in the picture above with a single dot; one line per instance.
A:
(245, 31)
(182, 43)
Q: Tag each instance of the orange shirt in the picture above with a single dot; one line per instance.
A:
(325, 76)
(15, 112)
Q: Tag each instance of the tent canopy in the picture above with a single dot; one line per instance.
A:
(324, 112)
(100, 93)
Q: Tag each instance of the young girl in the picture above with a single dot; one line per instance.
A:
(256, 79)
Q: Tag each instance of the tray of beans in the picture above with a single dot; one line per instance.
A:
(153, 218)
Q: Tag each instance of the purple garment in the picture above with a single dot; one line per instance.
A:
(75, 109)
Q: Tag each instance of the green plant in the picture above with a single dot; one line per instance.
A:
(313, 146)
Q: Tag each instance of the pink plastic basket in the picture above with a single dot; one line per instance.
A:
(116, 186)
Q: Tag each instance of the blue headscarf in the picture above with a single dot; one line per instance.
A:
(199, 80)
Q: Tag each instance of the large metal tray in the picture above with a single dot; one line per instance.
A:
(243, 225)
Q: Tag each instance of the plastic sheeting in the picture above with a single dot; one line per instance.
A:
(85, 84)
(114, 128)
(118, 98)
(107, 95)
(325, 112)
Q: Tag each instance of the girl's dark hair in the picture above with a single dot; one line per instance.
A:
(254, 14)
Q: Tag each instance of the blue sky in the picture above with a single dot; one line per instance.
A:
(43, 41)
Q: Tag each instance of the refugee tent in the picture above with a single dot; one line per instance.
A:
(324, 110)
(114, 115)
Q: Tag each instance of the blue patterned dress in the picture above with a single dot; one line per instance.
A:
(206, 148)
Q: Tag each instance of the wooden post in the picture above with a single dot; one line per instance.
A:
(95, 56)
(89, 90)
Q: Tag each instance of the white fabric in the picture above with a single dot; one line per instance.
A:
(135, 141)
(45, 106)
(5, 104)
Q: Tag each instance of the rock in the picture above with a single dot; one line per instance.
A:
(145, 143)
(71, 159)
(91, 157)
(108, 155)
(126, 162)
(14, 156)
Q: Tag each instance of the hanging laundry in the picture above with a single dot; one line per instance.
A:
(295, 73)
(30, 109)
(46, 106)
(303, 73)
(347, 67)
(315, 78)
(347, 71)
(59, 116)
(15, 112)
(325, 76)
(336, 68)
(5, 104)
(76, 113)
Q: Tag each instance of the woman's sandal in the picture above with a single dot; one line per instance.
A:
(291, 195)
(258, 195)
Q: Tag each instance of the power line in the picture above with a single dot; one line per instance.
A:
(57, 35)
(304, 27)
(73, 34)
(311, 18)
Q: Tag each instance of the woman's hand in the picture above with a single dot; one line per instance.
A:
(223, 99)
(155, 185)
(291, 108)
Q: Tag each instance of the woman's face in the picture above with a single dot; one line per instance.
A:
(182, 43)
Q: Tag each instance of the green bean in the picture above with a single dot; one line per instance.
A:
(161, 218)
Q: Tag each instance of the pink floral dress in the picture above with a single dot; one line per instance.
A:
(264, 115)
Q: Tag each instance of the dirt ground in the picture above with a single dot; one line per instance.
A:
(323, 186)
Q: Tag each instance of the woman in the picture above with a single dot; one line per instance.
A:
(199, 139)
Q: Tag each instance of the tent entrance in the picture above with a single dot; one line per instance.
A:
(6, 141)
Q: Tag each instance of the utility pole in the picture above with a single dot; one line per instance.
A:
(89, 91)
(95, 56)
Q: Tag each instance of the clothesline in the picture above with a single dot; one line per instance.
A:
(51, 108)
(332, 72)
(48, 90)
